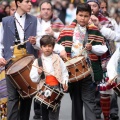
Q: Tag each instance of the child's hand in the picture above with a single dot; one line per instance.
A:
(88, 46)
(40, 69)
(65, 87)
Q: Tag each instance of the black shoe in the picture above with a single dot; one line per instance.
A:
(114, 116)
(36, 117)
(98, 116)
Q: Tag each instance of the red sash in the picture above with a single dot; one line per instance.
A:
(51, 80)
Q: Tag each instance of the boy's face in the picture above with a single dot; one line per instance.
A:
(95, 8)
(82, 18)
(25, 5)
(47, 49)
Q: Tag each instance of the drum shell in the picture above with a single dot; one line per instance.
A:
(21, 79)
(51, 102)
(78, 70)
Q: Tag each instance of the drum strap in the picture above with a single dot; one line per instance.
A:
(40, 64)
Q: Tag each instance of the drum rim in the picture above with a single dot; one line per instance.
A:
(7, 70)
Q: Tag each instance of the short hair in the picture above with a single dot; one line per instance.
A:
(11, 2)
(17, 1)
(46, 1)
(47, 39)
(83, 7)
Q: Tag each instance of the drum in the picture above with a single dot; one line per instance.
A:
(18, 73)
(49, 97)
(77, 68)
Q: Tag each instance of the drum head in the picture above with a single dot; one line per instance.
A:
(20, 64)
(73, 60)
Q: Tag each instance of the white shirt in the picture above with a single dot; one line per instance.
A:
(35, 77)
(20, 32)
(57, 48)
(45, 25)
(113, 64)
(110, 34)
(78, 41)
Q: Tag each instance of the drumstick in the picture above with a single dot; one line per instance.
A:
(42, 69)
(80, 52)
(10, 58)
(114, 79)
(84, 48)
(12, 47)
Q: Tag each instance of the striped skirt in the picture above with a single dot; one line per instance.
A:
(3, 95)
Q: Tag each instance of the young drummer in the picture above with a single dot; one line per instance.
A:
(54, 70)
(75, 37)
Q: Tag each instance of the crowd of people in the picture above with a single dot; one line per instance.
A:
(55, 32)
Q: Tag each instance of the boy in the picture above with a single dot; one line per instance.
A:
(56, 68)
(75, 37)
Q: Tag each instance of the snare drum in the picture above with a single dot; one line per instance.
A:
(18, 73)
(49, 97)
(77, 68)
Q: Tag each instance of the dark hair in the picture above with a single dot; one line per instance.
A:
(17, 1)
(46, 1)
(46, 40)
(83, 7)
(105, 1)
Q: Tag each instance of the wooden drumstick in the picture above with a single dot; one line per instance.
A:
(42, 69)
(10, 58)
(68, 60)
(84, 48)
(12, 47)
(114, 79)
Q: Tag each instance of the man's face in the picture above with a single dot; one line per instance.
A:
(46, 11)
(94, 7)
(103, 7)
(25, 5)
(12, 8)
(82, 18)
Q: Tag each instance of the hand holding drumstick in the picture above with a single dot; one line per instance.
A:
(65, 86)
(88, 47)
(31, 39)
(40, 70)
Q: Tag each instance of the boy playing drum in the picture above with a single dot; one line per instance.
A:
(52, 69)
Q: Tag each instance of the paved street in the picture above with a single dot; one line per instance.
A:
(65, 112)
